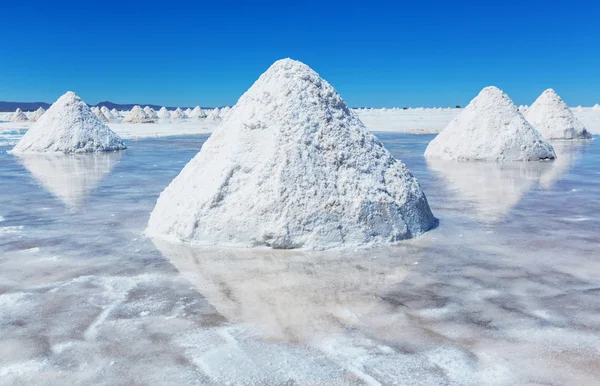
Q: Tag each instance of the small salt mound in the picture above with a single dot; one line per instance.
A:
(115, 113)
(163, 113)
(37, 114)
(292, 167)
(178, 114)
(224, 112)
(137, 115)
(197, 112)
(490, 128)
(107, 113)
(103, 118)
(551, 116)
(18, 116)
(69, 126)
(596, 107)
(578, 108)
(214, 114)
(188, 111)
(151, 113)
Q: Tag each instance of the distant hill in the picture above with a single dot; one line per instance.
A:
(31, 106)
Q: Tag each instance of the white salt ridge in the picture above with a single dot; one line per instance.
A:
(69, 126)
(490, 128)
(18, 116)
(37, 114)
(178, 114)
(292, 166)
(137, 115)
(551, 116)
(197, 112)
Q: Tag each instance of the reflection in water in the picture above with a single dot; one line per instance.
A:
(298, 296)
(70, 177)
(492, 188)
(567, 154)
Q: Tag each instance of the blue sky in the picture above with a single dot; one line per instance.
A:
(374, 53)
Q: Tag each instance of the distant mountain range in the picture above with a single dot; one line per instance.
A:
(31, 106)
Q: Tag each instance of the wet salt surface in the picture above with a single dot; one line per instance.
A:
(505, 290)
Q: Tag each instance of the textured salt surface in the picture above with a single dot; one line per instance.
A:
(490, 128)
(85, 298)
(292, 167)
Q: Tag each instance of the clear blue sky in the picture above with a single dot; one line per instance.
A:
(374, 53)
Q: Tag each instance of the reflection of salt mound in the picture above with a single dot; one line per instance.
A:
(551, 116)
(490, 128)
(178, 114)
(70, 177)
(493, 189)
(292, 167)
(69, 126)
(37, 114)
(567, 154)
(214, 114)
(137, 115)
(296, 296)
(163, 113)
(197, 112)
(18, 116)
(151, 113)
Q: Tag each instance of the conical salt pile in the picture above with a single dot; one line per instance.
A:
(292, 167)
(596, 107)
(178, 114)
(151, 113)
(214, 114)
(551, 116)
(197, 112)
(103, 118)
(490, 128)
(18, 116)
(579, 108)
(37, 114)
(163, 113)
(188, 111)
(224, 111)
(137, 115)
(115, 113)
(107, 113)
(69, 126)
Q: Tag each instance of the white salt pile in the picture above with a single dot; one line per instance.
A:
(107, 113)
(214, 114)
(18, 116)
(151, 113)
(224, 111)
(551, 116)
(197, 112)
(137, 115)
(37, 114)
(292, 167)
(69, 126)
(596, 107)
(490, 128)
(188, 111)
(115, 113)
(579, 108)
(178, 114)
(103, 118)
(163, 113)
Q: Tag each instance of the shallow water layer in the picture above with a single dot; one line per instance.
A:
(504, 291)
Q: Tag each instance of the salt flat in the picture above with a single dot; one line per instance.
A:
(503, 291)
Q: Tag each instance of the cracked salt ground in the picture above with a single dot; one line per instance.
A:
(503, 296)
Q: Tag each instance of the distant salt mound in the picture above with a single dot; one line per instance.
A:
(551, 116)
(103, 118)
(69, 126)
(151, 113)
(596, 107)
(178, 114)
(214, 114)
(107, 113)
(197, 112)
(18, 116)
(224, 112)
(490, 128)
(163, 113)
(188, 111)
(37, 114)
(578, 108)
(292, 167)
(137, 115)
(115, 113)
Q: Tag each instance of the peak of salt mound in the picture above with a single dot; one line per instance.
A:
(37, 114)
(103, 118)
(163, 113)
(151, 113)
(178, 114)
(214, 114)
(107, 113)
(18, 116)
(197, 112)
(551, 116)
(490, 128)
(115, 112)
(596, 107)
(69, 126)
(292, 167)
(137, 115)
(188, 111)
